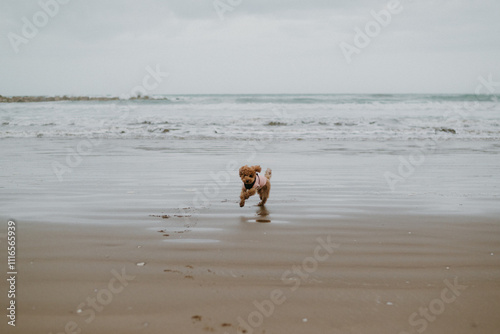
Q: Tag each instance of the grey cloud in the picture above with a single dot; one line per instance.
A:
(262, 46)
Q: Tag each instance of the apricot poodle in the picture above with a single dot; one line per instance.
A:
(253, 183)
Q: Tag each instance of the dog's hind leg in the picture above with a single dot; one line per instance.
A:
(263, 198)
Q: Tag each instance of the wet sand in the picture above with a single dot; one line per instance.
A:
(128, 243)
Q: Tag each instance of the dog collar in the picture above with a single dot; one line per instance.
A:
(250, 186)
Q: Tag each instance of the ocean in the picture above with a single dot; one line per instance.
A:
(260, 117)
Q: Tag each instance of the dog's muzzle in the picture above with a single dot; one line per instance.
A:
(249, 186)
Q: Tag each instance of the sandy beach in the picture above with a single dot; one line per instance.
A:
(148, 237)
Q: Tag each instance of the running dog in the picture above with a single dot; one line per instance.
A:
(253, 182)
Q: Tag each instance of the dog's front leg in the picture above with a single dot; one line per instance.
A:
(245, 194)
(243, 197)
(250, 193)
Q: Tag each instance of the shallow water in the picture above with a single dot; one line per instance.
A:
(126, 181)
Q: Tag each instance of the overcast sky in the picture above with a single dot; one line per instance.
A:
(260, 46)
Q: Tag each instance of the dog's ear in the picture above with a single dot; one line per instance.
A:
(256, 168)
(242, 170)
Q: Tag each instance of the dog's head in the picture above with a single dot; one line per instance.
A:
(248, 174)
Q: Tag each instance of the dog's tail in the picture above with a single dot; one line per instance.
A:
(269, 173)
